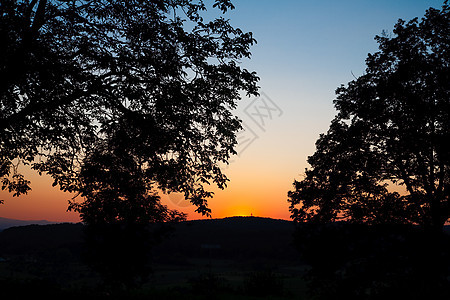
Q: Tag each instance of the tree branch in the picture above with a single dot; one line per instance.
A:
(39, 17)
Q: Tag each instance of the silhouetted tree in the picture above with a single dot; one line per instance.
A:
(392, 128)
(116, 189)
(154, 77)
(360, 261)
(123, 215)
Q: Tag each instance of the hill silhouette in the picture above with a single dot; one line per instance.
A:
(7, 223)
(35, 240)
(232, 238)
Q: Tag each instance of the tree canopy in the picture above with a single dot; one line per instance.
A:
(391, 130)
(114, 86)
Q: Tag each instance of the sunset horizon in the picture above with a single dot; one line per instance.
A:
(304, 52)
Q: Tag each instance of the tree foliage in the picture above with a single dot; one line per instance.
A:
(91, 90)
(391, 129)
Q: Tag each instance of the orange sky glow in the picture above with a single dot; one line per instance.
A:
(49, 203)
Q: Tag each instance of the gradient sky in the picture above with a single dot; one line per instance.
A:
(305, 50)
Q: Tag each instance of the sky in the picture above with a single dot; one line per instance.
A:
(305, 50)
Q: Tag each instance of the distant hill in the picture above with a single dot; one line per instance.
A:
(6, 223)
(41, 240)
(234, 237)
(230, 238)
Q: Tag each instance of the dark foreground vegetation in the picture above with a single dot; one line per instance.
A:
(242, 258)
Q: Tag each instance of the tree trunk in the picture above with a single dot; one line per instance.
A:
(437, 218)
